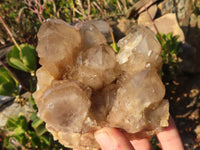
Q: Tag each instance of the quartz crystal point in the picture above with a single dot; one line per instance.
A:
(84, 86)
(139, 50)
(95, 67)
(73, 96)
(87, 31)
(58, 46)
(133, 103)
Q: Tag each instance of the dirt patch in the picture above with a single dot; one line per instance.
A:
(184, 97)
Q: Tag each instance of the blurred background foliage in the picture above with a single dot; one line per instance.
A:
(24, 23)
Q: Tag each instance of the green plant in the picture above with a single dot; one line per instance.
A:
(8, 85)
(170, 47)
(154, 143)
(23, 58)
(28, 134)
(170, 50)
(196, 9)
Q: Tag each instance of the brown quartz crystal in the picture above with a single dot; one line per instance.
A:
(84, 86)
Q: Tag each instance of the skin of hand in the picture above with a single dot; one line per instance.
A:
(112, 139)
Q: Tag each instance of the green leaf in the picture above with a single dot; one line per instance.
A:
(46, 140)
(36, 123)
(35, 140)
(19, 131)
(39, 126)
(17, 124)
(33, 116)
(5, 76)
(169, 36)
(18, 64)
(115, 47)
(8, 85)
(12, 123)
(15, 53)
(32, 101)
(24, 59)
(7, 89)
(41, 130)
(29, 56)
(21, 138)
(14, 60)
(23, 122)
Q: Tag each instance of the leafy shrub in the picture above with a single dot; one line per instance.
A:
(28, 134)
(170, 50)
(23, 58)
(196, 9)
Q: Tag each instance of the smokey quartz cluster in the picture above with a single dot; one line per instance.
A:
(84, 86)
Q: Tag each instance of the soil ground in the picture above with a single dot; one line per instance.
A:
(184, 98)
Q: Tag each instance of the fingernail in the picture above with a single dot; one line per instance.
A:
(103, 138)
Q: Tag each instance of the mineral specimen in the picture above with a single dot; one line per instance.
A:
(84, 86)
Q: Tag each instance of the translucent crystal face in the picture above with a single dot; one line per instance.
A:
(139, 92)
(87, 31)
(61, 111)
(83, 85)
(95, 67)
(139, 50)
(58, 46)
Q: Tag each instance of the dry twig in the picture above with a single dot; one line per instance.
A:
(113, 39)
(36, 7)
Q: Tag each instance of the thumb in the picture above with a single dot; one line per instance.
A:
(112, 139)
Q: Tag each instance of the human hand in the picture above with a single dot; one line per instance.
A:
(113, 139)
